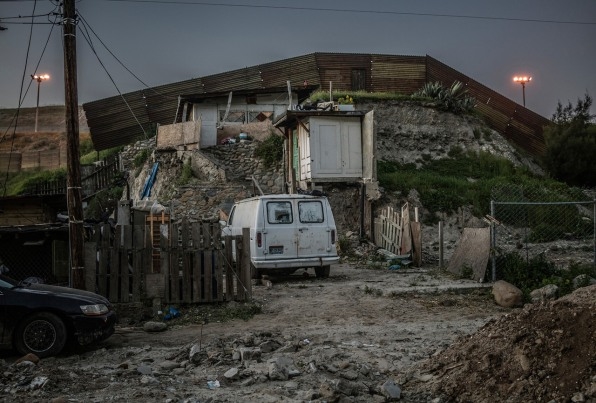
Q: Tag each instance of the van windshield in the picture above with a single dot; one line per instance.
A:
(310, 211)
(279, 213)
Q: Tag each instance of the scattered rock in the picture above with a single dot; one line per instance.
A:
(507, 295)
(154, 326)
(546, 293)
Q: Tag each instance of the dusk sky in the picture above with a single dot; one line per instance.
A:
(165, 41)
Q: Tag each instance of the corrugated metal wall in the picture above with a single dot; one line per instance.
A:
(518, 124)
(112, 123)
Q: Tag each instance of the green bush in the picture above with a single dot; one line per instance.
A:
(186, 174)
(271, 150)
(536, 272)
(141, 157)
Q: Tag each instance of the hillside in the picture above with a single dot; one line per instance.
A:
(50, 129)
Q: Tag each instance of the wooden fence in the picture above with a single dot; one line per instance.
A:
(397, 234)
(196, 264)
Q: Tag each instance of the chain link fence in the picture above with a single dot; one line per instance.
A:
(541, 223)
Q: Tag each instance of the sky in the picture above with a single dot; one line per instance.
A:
(138, 43)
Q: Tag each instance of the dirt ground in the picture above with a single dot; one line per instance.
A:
(361, 335)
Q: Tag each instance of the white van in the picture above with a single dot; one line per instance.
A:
(287, 232)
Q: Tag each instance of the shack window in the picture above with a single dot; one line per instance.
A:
(233, 116)
(311, 212)
(279, 213)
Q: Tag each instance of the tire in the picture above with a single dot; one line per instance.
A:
(43, 334)
(323, 271)
(255, 273)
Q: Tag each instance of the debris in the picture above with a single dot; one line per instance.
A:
(213, 384)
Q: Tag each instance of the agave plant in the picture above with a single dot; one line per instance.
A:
(452, 99)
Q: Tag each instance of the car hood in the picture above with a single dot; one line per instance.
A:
(66, 292)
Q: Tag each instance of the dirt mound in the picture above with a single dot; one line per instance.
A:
(542, 352)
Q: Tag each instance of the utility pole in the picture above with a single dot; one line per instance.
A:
(73, 180)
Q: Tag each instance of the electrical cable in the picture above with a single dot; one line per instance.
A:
(87, 26)
(87, 37)
(339, 10)
(22, 99)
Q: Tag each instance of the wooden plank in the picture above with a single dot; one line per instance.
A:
(228, 268)
(196, 277)
(104, 260)
(406, 241)
(238, 277)
(125, 267)
(208, 275)
(137, 261)
(90, 266)
(416, 244)
(187, 284)
(147, 259)
(174, 271)
(246, 272)
(218, 272)
(114, 269)
(472, 253)
(165, 256)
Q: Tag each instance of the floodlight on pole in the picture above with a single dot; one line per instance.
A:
(39, 79)
(523, 80)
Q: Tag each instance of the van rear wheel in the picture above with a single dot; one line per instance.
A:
(323, 271)
(254, 272)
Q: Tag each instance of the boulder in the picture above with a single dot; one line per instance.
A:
(548, 292)
(507, 295)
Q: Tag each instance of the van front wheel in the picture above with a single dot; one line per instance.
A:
(323, 271)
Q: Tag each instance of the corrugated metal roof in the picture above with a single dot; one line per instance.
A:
(113, 123)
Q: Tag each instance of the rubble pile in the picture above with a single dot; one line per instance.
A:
(541, 352)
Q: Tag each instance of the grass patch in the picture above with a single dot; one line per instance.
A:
(373, 291)
(89, 155)
(465, 179)
(20, 183)
(359, 96)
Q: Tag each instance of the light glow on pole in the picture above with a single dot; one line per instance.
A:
(523, 80)
(39, 79)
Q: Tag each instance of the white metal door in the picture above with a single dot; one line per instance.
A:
(327, 151)
(351, 140)
(208, 115)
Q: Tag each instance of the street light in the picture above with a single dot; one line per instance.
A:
(39, 79)
(523, 80)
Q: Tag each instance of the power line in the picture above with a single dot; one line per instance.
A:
(87, 37)
(328, 9)
(339, 10)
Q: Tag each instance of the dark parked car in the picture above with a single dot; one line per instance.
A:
(41, 319)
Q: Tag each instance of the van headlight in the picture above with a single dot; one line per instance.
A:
(94, 310)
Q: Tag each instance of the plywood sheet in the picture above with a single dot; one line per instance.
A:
(472, 253)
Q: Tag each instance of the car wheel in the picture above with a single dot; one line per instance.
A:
(254, 272)
(323, 271)
(42, 334)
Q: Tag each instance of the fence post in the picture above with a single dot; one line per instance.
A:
(493, 242)
(440, 244)
(246, 272)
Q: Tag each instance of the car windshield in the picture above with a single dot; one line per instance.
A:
(7, 282)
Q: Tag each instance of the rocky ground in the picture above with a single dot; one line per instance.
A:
(361, 335)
